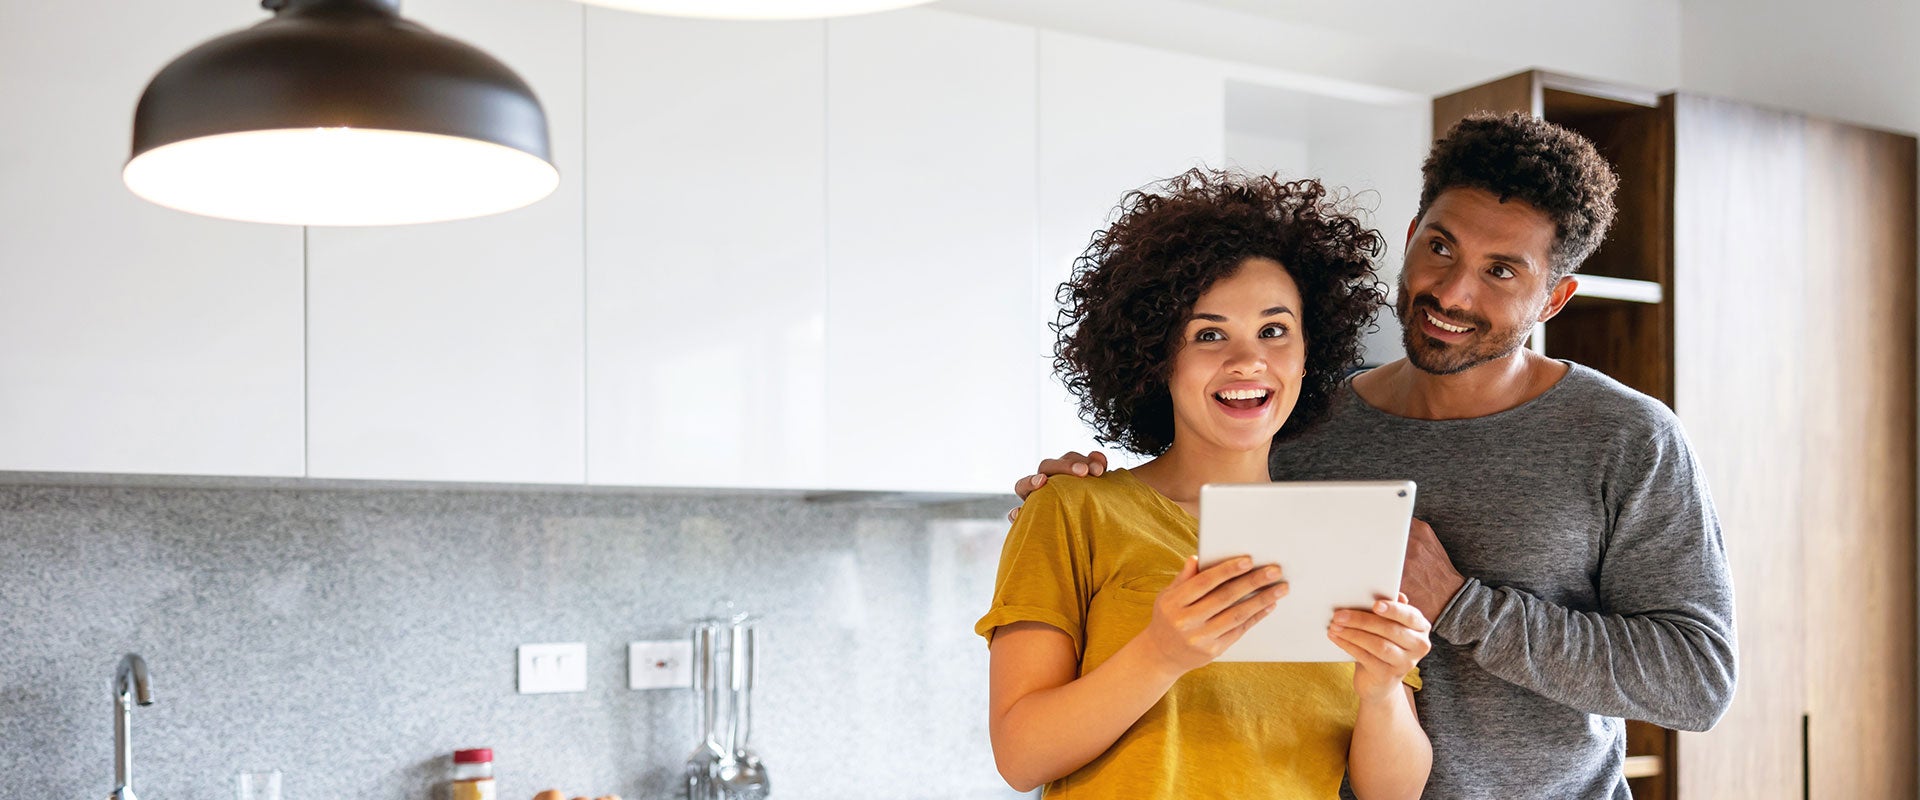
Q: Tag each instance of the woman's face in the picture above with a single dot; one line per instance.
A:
(1242, 355)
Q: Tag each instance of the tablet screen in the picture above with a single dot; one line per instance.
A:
(1339, 544)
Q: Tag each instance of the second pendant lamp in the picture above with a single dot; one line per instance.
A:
(339, 112)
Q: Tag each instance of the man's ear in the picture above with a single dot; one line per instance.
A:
(1412, 225)
(1558, 296)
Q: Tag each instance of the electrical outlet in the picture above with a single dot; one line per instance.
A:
(660, 665)
(551, 668)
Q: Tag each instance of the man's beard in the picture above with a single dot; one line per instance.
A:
(1428, 354)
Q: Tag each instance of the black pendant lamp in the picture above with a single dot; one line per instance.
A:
(339, 112)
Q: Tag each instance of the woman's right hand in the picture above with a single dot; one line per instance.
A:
(1196, 617)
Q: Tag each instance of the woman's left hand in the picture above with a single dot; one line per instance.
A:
(1386, 642)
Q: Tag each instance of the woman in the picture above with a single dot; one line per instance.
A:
(1216, 313)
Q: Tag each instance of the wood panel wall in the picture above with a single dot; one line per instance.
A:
(1858, 513)
(1740, 362)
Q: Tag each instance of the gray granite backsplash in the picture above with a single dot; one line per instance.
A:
(353, 638)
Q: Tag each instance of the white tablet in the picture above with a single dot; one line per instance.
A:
(1339, 545)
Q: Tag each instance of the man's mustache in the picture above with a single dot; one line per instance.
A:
(1426, 302)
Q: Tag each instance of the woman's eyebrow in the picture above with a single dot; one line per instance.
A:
(1271, 312)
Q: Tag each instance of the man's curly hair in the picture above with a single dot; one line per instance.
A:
(1124, 312)
(1515, 156)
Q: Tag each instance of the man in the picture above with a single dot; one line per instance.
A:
(1564, 545)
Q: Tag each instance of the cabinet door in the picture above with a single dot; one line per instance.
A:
(1737, 273)
(1113, 118)
(453, 351)
(1858, 514)
(706, 252)
(931, 372)
(133, 338)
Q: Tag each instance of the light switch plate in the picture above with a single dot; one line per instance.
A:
(660, 665)
(551, 668)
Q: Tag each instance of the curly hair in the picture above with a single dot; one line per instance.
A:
(1515, 156)
(1124, 311)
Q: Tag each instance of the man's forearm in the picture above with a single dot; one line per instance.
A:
(1668, 668)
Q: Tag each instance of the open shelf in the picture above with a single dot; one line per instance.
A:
(1643, 766)
(1627, 290)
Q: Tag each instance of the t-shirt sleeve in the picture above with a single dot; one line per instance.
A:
(1043, 569)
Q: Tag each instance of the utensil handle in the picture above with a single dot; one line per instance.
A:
(706, 680)
(743, 637)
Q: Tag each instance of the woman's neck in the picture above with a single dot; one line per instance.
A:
(1181, 471)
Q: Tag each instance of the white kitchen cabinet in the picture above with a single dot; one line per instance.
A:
(454, 351)
(133, 339)
(1113, 118)
(1365, 144)
(706, 252)
(930, 246)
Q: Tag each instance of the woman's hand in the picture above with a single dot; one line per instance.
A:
(1196, 617)
(1386, 643)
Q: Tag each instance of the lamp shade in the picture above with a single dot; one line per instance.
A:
(339, 112)
(757, 9)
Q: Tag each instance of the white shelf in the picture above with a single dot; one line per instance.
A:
(1601, 287)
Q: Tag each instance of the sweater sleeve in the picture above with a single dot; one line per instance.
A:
(1661, 647)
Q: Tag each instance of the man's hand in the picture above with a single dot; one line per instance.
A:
(1429, 579)
(1093, 463)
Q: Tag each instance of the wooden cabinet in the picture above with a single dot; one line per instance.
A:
(1857, 517)
(930, 252)
(1781, 252)
(133, 338)
(453, 351)
(1740, 318)
(706, 252)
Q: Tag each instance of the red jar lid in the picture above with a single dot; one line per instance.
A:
(482, 755)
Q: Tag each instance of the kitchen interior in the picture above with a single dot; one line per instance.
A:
(757, 374)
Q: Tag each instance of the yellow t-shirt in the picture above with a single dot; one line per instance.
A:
(1088, 556)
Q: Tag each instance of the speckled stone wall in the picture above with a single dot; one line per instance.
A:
(354, 637)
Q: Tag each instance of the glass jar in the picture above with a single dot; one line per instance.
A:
(473, 774)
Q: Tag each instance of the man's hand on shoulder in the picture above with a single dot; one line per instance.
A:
(1429, 579)
(1094, 463)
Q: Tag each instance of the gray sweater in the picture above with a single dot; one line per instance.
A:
(1597, 585)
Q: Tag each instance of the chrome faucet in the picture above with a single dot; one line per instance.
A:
(129, 682)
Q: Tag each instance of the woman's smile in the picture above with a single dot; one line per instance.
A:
(1244, 400)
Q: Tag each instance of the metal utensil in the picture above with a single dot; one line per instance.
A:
(703, 765)
(130, 686)
(743, 777)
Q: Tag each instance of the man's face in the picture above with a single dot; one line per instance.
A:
(1478, 276)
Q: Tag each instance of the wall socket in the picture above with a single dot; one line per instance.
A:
(660, 665)
(551, 668)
